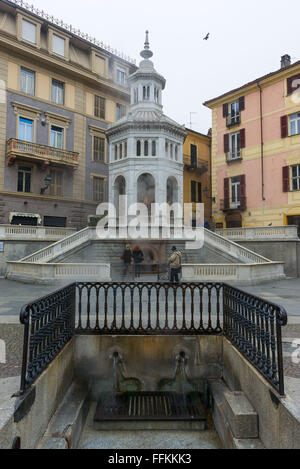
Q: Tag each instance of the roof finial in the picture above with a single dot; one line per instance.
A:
(147, 53)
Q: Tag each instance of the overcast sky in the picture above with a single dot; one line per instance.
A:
(247, 40)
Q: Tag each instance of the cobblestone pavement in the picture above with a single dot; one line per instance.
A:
(12, 334)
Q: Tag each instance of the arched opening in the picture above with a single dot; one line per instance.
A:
(172, 190)
(119, 189)
(146, 190)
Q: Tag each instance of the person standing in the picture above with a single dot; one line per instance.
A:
(138, 258)
(175, 265)
(127, 257)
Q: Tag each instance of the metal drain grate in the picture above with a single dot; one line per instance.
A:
(150, 406)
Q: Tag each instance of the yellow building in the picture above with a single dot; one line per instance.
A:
(197, 171)
(59, 91)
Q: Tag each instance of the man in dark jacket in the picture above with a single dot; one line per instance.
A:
(127, 257)
(138, 258)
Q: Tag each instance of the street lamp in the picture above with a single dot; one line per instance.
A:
(206, 192)
(47, 180)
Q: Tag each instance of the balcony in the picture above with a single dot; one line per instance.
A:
(228, 205)
(199, 166)
(39, 153)
(232, 157)
(233, 119)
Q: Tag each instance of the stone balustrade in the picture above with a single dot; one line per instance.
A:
(242, 274)
(16, 232)
(260, 233)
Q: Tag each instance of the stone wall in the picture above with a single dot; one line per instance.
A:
(285, 251)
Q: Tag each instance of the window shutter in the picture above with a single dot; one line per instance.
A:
(193, 191)
(284, 126)
(242, 138)
(243, 191)
(286, 178)
(226, 143)
(226, 194)
(242, 103)
(225, 110)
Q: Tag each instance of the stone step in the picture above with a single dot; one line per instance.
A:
(65, 427)
(234, 417)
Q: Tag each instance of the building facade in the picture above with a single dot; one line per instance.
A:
(256, 151)
(59, 91)
(146, 146)
(197, 171)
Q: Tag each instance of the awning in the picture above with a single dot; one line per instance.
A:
(25, 215)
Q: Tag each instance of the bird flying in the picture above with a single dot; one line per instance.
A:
(206, 37)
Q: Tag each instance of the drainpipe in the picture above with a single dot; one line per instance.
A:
(261, 144)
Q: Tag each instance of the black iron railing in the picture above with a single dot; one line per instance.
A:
(49, 325)
(252, 324)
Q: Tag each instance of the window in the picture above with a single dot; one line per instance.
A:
(234, 113)
(99, 149)
(196, 192)
(99, 107)
(58, 45)
(293, 84)
(194, 156)
(136, 95)
(146, 93)
(146, 148)
(24, 179)
(56, 186)
(296, 178)
(98, 189)
(120, 111)
(295, 124)
(121, 76)
(235, 192)
(57, 137)
(116, 152)
(176, 153)
(153, 148)
(234, 146)
(58, 92)
(25, 129)
(138, 148)
(27, 81)
(28, 31)
(156, 95)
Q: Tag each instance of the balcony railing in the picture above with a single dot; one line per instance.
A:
(201, 166)
(228, 204)
(34, 151)
(233, 119)
(234, 156)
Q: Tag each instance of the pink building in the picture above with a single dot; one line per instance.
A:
(256, 151)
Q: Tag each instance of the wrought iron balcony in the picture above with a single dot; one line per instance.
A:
(231, 157)
(197, 165)
(233, 119)
(228, 205)
(41, 153)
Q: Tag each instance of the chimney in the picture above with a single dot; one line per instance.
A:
(285, 61)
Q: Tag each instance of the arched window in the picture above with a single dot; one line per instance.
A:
(116, 152)
(153, 148)
(171, 150)
(125, 150)
(176, 152)
(138, 148)
(167, 148)
(121, 150)
(146, 148)
(156, 95)
(146, 93)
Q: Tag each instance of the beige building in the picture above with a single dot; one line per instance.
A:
(59, 91)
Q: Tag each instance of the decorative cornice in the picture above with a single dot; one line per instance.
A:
(21, 107)
(59, 118)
